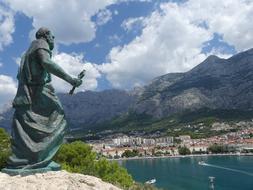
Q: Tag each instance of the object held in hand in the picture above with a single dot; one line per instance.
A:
(80, 76)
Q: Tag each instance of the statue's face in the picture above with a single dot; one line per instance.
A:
(50, 40)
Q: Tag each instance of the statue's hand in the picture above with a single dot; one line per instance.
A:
(76, 82)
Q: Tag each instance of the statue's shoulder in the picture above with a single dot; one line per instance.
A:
(39, 44)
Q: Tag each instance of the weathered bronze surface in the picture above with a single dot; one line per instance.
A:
(39, 122)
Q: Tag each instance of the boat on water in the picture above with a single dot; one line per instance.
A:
(238, 153)
(201, 163)
(152, 181)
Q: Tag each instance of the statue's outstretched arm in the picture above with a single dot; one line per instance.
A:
(51, 67)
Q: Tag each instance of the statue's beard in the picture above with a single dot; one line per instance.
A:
(51, 45)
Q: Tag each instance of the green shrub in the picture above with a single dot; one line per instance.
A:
(78, 157)
(218, 148)
(129, 153)
(4, 148)
(112, 172)
(184, 150)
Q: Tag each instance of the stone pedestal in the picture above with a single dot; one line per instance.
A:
(53, 166)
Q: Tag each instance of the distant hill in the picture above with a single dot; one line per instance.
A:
(89, 108)
(86, 108)
(215, 86)
(6, 118)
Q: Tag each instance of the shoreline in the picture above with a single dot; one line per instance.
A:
(179, 156)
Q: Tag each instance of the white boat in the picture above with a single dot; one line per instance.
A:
(152, 181)
(201, 163)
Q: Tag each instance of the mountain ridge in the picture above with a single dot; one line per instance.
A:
(215, 83)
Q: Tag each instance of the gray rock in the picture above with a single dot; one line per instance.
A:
(60, 180)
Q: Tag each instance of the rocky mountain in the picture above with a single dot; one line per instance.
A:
(6, 118)
(86, 108)
(213, 84)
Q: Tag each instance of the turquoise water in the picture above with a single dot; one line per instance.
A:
(230, 172)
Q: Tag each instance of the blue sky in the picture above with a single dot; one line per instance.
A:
(122, 43)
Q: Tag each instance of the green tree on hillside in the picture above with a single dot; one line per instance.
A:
(4, 147)
(184, 150)
(78, 157)
(218, 148)
(129, 153)
(112, 172)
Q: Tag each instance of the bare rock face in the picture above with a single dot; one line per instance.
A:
(60, 180)
(215, 84)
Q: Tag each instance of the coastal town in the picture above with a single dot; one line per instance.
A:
(230, 142)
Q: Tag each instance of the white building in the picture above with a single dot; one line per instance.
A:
(148, 142)
(125, 140)
(164, 141)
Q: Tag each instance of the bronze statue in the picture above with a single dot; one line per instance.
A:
(39, 122)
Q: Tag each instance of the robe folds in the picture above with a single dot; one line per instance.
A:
(39, 123)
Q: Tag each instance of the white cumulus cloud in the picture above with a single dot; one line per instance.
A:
(8, 88)
(69, 20)
(73, 64)
(6, 27)
(173, 37)
(229, 18)
(103, 17)
(169, 43)
(132, 23)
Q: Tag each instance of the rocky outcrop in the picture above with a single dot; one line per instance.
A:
(60, 180)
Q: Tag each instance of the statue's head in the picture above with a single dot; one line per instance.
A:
(46, 34)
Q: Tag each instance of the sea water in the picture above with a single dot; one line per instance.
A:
(230, 172)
